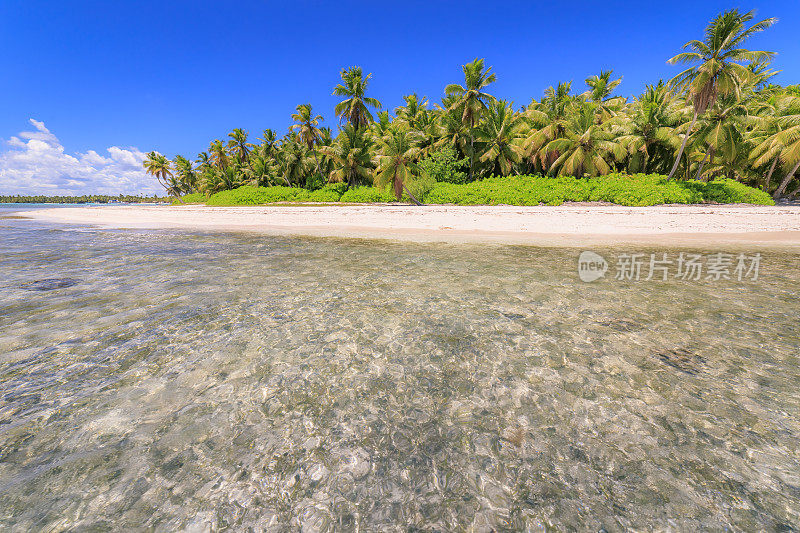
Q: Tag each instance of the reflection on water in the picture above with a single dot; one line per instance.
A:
(201, 381)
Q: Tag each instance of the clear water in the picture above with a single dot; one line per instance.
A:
(213, 381)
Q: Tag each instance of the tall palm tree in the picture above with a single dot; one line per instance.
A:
(547, 121)
(268, 141)
(240, 145)
(307, 128)
(414, 110)
(396, 161)
(186, 174)
(325, 141)
(775, 112)
(600, 88)
(788, 145)
(159, 166)
(720, 131)
(381, 127)
(353, 108)
(720, 70)
(500, 133)
(449, 129)
(646, 130)
(587, 148)
(471, 99)
(350, 155)
(219, 154)
(293, 160)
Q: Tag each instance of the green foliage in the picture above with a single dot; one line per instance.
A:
(419, 187)
(85, 199)
(314, 181)
(329, 193)
(193, 198)
(249, 195)
(643, 190)
(368, 195)
(728, 191)
(719, 118)
(621, 189)
(444, 166)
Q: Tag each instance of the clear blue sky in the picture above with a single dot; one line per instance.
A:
(172, 75)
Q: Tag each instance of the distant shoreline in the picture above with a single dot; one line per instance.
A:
(567, 225)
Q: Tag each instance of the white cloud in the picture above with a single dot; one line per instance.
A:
(35, 163)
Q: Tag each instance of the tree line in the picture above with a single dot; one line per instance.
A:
(719, 117)
(83, 199)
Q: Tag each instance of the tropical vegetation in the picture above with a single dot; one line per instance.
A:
(715, 127)
(84, 199)
(622, 189)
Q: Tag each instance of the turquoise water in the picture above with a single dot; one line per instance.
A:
(199, 381)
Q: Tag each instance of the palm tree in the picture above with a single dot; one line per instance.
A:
(268, 141)
(500, 132)
(720, 132)
(600, 88)
(449, 129)
(775, 112)
(788, 143)
(240, 145)
(585, 148)
(381, 127)
(646, 131)
(350, 156)
(293, 160)
(187, 177)
(159, 166)
(720, 70)
(414, 110)
(307, 129)
(396, 161)
(325, 140)
(471, 99)
(547, 121)
(353, 108)
(219, 154)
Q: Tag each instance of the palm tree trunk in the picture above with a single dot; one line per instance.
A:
(683, 145)
(471, 147)
(646, 158)
(709, 151)
(769, 174)
(413, 198)
(786, 181)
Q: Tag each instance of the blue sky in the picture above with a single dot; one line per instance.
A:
(173, 75)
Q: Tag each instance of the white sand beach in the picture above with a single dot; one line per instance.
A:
(545, 225)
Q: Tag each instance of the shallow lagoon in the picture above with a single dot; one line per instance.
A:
(204, 381)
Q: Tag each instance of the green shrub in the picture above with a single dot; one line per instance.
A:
(248, 195)
(620, 189)
(419, 187)
(444, 167)
(315, 182)
(367, 194)
(194, 198)
(325, 194)
(641, 190)
(512, 190)
(730, 191)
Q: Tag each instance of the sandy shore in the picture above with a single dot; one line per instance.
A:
(576, 225)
